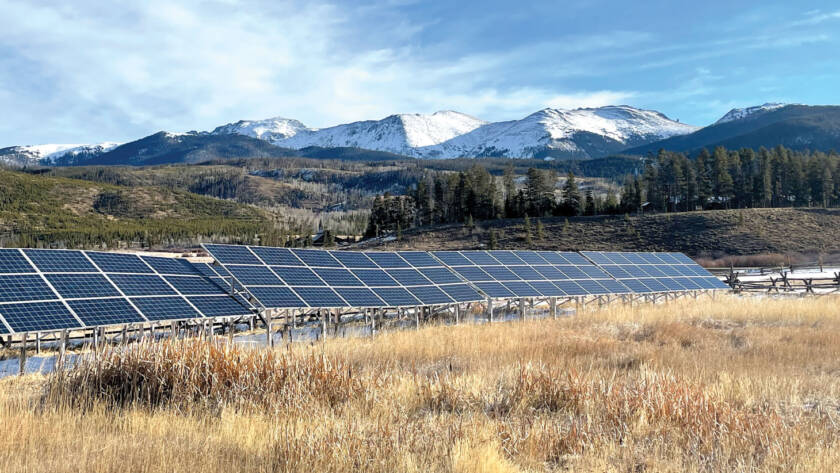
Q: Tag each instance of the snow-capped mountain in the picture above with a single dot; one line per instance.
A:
(741, 113)
(271, 129)
(581, 133)
(52, 154)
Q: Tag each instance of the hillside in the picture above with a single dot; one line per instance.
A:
(798, 127)
(45, 211)
(708, 233)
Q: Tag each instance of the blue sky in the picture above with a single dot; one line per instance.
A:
(81, 71)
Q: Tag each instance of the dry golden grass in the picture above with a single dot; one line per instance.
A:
(736, 384)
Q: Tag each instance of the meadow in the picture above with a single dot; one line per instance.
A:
(733, 384)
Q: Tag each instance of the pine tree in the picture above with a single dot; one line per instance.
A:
(540, 230)
(494, 240)
(590, 208)
(571, 196)
(527, 228)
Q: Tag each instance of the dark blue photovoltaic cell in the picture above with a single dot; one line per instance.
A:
(353, 259)
(617, 271)
(552, 257)
(672, 284)
(95, 312)
(572, 272)
(636, 286)
(527, 273)
(360, 297)
(79, 286)
(594, 272)
(254, 275)
(617, 258)
(232, 254)
(38, 316)
(60, 261)
(218, 306)
(396, 296)
(494, 289)
(205, 270)
(614, 287)
(592, 286)
(530, 257)
(338, 277)
(142, 285)
(651, 258)
(276, 297)
(375, 277)
(119, 263)
(597, 257)
(320, 297)
(574, 258)
(653, 271)
(25, 287)
(195, 285)
(318, 258)
(3, 329)
(276, 256)
(689, 283)
(298, 276)
(452, 258)
(635, 271)
(634, 258)
(408, 277)
(669, 270)
(473, 273)
(571, 288)
(462, 292)
(419, 259)
(440, 275)
(522, 289)
(170, 265)
(550, 272)
(654, 285)
(668, 258)
(501, 273)
(165, 308)
(388, 260)
(546, 288)
(11, 261)
(430, 295)
(505, 257)
(481, 258)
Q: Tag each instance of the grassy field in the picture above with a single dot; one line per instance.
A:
(735, 385)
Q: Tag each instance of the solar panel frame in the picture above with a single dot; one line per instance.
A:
(102, 312)
(59, 261)
(25, 287)
(320, 296)
(12, 261)
(119, 263)
(38, 316)
(82, 285)
(430, 295)
(388, 260)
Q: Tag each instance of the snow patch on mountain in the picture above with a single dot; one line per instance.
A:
(49, 154)
(741, 113)
(272, 130)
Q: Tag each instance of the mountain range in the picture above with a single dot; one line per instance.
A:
(583, 133)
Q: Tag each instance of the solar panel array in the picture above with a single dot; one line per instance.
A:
(655, 272)
(299, 278)
(42, 290)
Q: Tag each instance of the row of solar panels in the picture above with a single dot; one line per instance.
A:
(293, 278)
(42, 290)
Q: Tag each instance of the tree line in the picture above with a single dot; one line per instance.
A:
(668, 182)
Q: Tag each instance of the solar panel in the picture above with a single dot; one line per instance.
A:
(25, 287)
(276, 256)
(388, 260)
(360, 297)
(218, 306)
(353, 259)
(637, 286)
(440, 275)
(572, 272)
(194, 286)
(527, 273)
(232, 254)
(38, 316)
(530, 257)
(317, 258)
(481, 258)
(574, 258)
(473, 273)
(60, 261)
(11, 261)
(501, 273)
(419, 259)
(614, 287)
(253, 275)
(396, 296)
(552, 257)
(338, 277)
(653, 284)
(375, 277)
(115, 311)
(571, 288)
(506, 257)
(430, 295)
(119, 263)
(452, 258)
(408, 277)
(82, 286)
(141, 285)
(593, 287)
(522, 289)
(547, 289)
(277, 297)
(462, 292)
(165, 308)
(494, 290)
(320, 297)
(170, 265)
(294, 276)
(550, 273)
